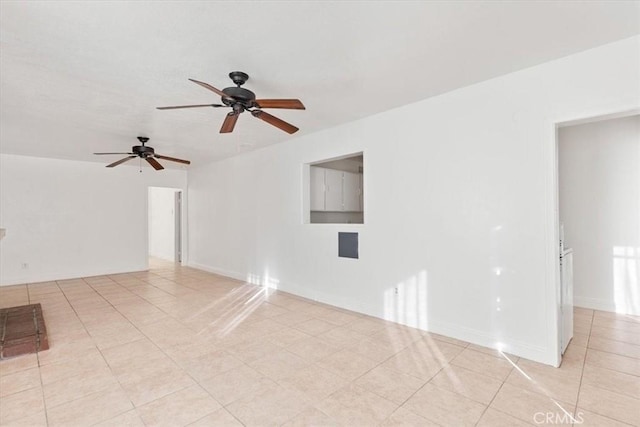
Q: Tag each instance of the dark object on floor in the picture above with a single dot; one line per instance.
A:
(23, 331)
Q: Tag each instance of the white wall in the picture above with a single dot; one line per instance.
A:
(599, 166)
(460, 200)
(70, 219)
(162, 228)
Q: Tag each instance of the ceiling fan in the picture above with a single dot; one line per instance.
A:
(240, 100)
(146, 153)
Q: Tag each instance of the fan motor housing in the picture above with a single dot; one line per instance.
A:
(239, 94)
(142, 151)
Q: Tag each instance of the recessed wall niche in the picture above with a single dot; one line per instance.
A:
(336, 190)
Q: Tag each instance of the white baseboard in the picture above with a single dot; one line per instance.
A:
(513, 346)
(604, 305)
(169, 257)
(219, 271)
(505, 345)
(52, 276)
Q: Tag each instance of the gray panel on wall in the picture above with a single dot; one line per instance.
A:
(348, 245)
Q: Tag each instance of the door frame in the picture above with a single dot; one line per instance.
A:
(553, 234)
(180, 223)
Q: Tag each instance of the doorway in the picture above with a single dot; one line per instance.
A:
(165, 224)
(598, 216)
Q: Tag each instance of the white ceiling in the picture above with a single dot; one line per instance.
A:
(79, 77)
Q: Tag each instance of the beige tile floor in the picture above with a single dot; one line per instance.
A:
(176, 346)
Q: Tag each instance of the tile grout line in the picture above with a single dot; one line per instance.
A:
(44, 401)
(196, 381)
(420, 388)
(581, 377)
(584, 362)
(108, 364)
(491, 402)
(135, 408)
(175, 280)
(99, 351)
(315, 363)
(495, 395)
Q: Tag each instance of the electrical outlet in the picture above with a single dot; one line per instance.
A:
(25, 265)
(396, 290)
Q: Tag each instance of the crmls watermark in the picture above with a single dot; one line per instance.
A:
(557, 418)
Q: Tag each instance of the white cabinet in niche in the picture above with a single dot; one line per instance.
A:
(361, 178)
(317, 189)
(351, 191)
(335, 191)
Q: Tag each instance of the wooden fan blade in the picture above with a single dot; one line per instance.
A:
(212, 89)
(292, 104)
(172, 159)
(190, 106)
(126, 159)
(229, 122)
(100, 154)
(153, 162)
(272, 120)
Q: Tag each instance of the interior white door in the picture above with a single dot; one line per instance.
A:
(567, 297)
(178, 226)
(333, 190)
(351, 192)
